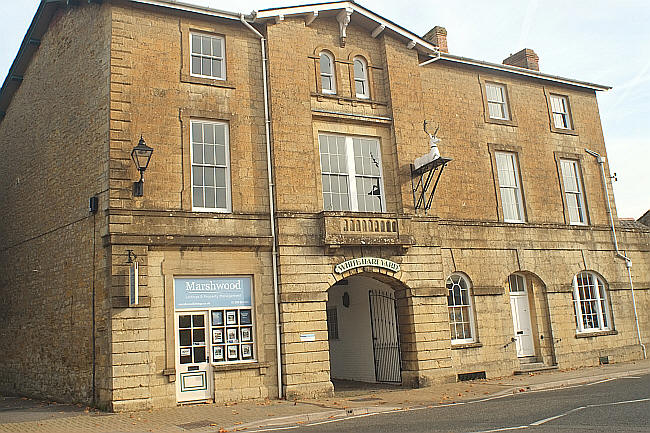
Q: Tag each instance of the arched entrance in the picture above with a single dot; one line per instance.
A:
(363, 331)
(531, 318)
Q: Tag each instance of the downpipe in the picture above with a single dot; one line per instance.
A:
(269, 168)
(628, 262)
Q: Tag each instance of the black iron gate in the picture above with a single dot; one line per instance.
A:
(385, 337)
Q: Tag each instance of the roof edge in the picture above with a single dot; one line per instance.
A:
(421, 44)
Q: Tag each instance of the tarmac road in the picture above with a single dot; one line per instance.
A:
(614, 405)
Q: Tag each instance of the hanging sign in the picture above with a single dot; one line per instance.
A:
(203, 293)
(366, 261)
(133, 285)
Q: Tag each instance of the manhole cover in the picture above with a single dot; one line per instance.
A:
(367, 399)
(196, 424)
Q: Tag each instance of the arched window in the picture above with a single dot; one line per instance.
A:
(461, 317)
(361, 78)
(327, 79)
(591, 303)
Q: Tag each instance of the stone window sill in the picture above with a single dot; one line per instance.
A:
(595, 334)
(504, 122)
(206, 81)
(564, 131)
(262, 366)
(466, 346)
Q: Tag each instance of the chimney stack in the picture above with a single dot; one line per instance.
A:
(438, 37)
(525, 58)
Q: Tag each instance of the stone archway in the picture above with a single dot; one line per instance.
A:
(367, 316)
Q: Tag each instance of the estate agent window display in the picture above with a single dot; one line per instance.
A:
(229, 302)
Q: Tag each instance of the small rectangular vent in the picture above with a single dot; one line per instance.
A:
(462, 377)
(603, 360)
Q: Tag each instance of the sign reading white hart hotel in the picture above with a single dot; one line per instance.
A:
(366, 261)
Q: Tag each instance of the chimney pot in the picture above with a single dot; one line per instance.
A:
(525, 58)
(438, 37)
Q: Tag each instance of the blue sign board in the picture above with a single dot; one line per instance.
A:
(204, 293)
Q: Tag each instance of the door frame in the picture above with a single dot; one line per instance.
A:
(182, 370)
(513, 297)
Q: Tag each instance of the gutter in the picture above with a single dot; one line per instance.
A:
(628, 262)
(269, 169)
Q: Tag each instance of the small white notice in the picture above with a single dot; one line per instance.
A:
(308, 337)
(133, 285)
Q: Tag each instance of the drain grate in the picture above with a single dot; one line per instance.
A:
(366, 399)
(196, 424)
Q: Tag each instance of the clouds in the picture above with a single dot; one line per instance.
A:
(600, 41)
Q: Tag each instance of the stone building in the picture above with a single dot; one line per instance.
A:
(284, 238)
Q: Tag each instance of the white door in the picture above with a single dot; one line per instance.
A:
(521, 316)
(193, 371)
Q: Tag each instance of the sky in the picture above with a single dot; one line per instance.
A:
(600, 41)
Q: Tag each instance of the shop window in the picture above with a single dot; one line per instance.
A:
(461, 316)
(351, 174)
(591, 303)
(207, 56)
(573, 195)
(509, 186)
(361, 86)
(232, 334)
(210, 166)
(327, 75)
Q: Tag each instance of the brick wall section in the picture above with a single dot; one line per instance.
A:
(53, 155)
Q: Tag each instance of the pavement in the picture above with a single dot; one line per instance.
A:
(21, 415)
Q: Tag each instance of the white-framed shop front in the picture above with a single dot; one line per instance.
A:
(214, 325)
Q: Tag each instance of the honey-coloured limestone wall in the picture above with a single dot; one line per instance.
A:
(53, 158)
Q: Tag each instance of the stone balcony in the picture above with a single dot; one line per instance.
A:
(365, 228)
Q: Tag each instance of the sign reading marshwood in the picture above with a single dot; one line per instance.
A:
(366, 261)
(212, 292)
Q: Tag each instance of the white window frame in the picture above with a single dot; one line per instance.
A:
(584, 303)
(504, 187)
(228, 207)
(331, 75)
(573, 176)
(560, 112)
(502, 104)
(361, 79)
(351, 173)
(469, 306)
(222, 41)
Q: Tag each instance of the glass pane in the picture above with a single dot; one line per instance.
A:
(196, 65)
(197, 154)
(220, 157)
(197, 132)
(198, 320)
(197, 197)
(221, 198)
(206, 44)
(359, 70)
(359, 86)
(198, 336)
(206, 67)
(197, 176)
(327, 201)
(208, 133)
(199, 354)
(210, 198)
(220, 177)
(208, 154)
(324, 163)
(184, 321)
(209, 176)
(196, 44)
(217, 68)
(216, 47)
(220, 134)
(184, 337)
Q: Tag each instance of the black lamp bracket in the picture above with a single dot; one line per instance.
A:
(132, 256)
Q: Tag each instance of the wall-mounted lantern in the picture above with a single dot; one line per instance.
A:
(141, 154)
